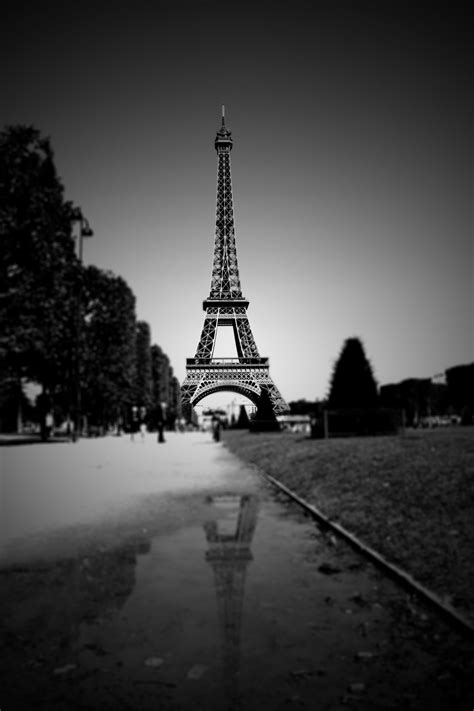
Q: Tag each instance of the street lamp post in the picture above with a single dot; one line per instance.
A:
(84, 231)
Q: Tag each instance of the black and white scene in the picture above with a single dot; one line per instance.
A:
(236, 356)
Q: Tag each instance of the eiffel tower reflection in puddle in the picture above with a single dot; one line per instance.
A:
(229, 536)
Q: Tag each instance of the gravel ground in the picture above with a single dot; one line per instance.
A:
(410, 497)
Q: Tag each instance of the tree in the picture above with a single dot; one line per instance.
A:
(165, 386)
(142, 392)
(108, 349)
(265, 418)
(174, 400)
(160, 375)
(412, 395)
(352, 383)
(460, 382)
(243, 422)
(302, 407)
(38, 267)
(160, 368)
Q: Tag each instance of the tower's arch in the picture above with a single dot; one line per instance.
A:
(249, 392)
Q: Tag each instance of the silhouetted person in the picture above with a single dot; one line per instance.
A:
(216, 429)
(135, 423)
(160, 423)
(44, 406)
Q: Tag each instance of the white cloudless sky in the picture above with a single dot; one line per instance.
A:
(352, 168)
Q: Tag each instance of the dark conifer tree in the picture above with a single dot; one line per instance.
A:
(243, 421)
(352, 384)
(265, 418)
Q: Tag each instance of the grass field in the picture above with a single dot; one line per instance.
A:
(411, 497)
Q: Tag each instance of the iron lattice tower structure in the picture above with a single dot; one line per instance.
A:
(248, 373)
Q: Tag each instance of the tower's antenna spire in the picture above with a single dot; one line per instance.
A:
(223, 115)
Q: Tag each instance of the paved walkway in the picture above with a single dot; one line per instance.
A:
(170, 577)
(45, 488)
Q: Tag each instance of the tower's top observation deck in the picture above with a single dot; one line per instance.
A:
(223, 140)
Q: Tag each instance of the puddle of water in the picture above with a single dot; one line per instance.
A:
(229, 610)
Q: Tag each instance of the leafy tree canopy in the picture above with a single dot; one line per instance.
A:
(303, 407)
(460, 381)
(38, 267)
(160, 368)
(108, 347)
(143, 365)
(175, 394)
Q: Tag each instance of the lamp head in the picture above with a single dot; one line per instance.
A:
(86, 230)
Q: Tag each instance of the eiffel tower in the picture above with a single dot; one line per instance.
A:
(248, 374)
(229, 555)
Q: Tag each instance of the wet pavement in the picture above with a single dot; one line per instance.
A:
(218, 596)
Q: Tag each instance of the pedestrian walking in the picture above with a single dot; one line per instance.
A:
(216, 428)
(134, 423)
(160, 421)
(49, 424)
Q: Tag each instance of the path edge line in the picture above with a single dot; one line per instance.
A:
(401, 576)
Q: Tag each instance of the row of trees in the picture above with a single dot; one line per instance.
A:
(356, 404)
(71, 329)
(125, 379)
(423, 400)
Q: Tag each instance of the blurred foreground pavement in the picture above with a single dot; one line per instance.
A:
(139, 575)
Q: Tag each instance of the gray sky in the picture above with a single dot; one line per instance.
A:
(351, 167)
